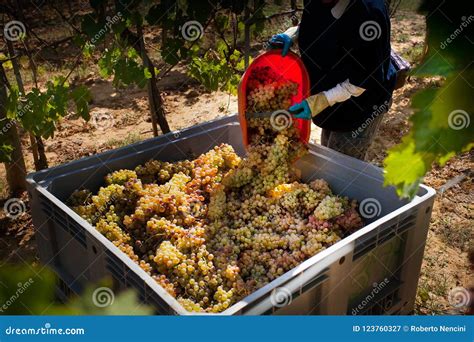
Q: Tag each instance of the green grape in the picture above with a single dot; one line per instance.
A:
(80, 198)
(217, 203)
(189, 305)
(168, 256)
(155, 171)
(330, 207)
(120, 177)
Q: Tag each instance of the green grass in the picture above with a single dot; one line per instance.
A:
(414, 54)
(432, 285)
(455, 235)
(131, 138)
(425, 302)
(403, 37)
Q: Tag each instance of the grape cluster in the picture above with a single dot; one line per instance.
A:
(214, 229)
(268, 91)
(155, 171)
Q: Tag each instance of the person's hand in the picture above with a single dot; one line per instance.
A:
(283, 41)
(310, 107)
(301, 110)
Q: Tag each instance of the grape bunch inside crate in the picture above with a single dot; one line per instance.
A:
(373, 271)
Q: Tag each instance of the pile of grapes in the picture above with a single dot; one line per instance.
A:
(213, 230)
(267, 91)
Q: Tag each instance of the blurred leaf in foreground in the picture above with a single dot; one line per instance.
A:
(443, 122)
(30, 290)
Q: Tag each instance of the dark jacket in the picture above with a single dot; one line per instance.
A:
(356, 47)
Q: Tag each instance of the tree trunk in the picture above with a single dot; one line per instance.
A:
(15, 169)
(154, 98)
(39, 157)
(43, 162)
(34, 149)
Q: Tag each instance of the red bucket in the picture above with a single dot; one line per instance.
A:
(289, 67)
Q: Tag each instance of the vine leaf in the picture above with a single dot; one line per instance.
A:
(5, 151)
(37, 286)
(124, 65)
(81, 97)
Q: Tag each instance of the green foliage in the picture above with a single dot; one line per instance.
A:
(174, 51)
(6, 65)
(124, 65)
(30, 290)
(25, 289)
(125, 303)
(215, 72)
(443, 123)
(213, 67)
(93, 29)
(131, 138)
(5, 151)
(81, 97)
(38, 111)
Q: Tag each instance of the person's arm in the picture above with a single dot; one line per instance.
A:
(292, 32)
(342, 92)
(315, 104)
(284, 40)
